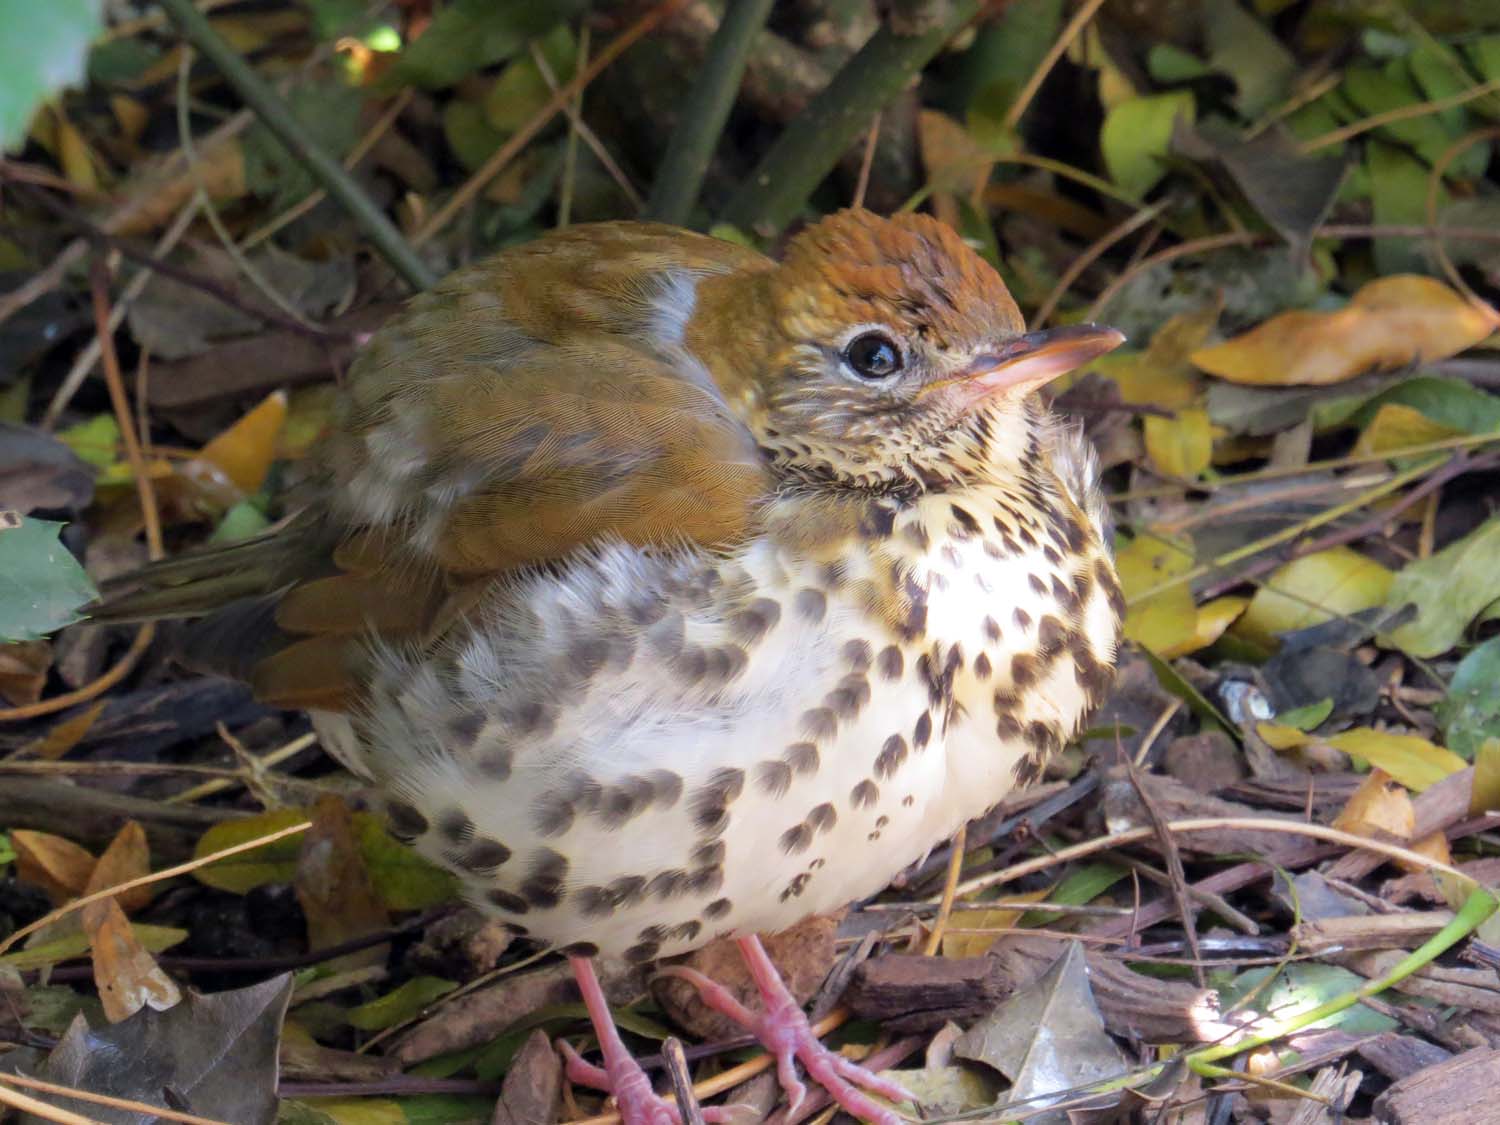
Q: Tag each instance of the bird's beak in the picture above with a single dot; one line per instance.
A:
(1029, 360)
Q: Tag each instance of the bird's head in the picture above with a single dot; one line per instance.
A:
(896, 358)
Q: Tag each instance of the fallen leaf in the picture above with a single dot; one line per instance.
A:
(1167, 618)
(1001, 918)
(60, 867)
(1390, 322)
(215, 1054)
(1410, 759)
(127, 857)
(1395, 427)
(400, 1005)
(334, 888)
(38, 470)
(24, 666)
(1380, 806)
(244, 452)
(1311, 590)
(42, 587)
(1180, 446)
(1299, 987)
(1162, 375)
(64, 735)
(1136, 137)
(126, 975)
(1470, 712)
(1210, 620)
(1449, 589)
(1485, 794)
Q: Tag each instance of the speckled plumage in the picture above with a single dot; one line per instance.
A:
(666, 592)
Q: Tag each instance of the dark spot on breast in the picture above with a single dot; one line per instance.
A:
(1022, 619)
(586, 656)
(554, 815)
(407, 822)
(857, 653)
(922, 732)
(544, 881)
(967, 525)
(1104, 575)
(1050, 634)
(823, 817)
(797, 838)
(1049, 553)
(849, 697)
(504, 900)
(465, 728)
(646, 609)
(1025, 670)
(1028, 536)
(581, 949)
(668, 884)
(893, 752)
(484, 854)
(803, 757)
(690, 664)
(916, 534)
(773, 777)
(532, 717)
(1044, 737)
(864, 795)
(908, 801)
(890, 663)
(717, 909)
(952, 557)
(666, 787)
(725, 663)
(455, 827)
(706, 880)
(640, 954)
(686, 931)
(756, 620)
(914, 625)
(982, 667)
(795, 888)
(811, 604)
(991, 628)
(495, 763)
(1036, 583)
(819, 723)
(1007, 726)
(877, 521)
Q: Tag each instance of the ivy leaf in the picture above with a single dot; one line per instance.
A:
(42, 587)
(44, 48)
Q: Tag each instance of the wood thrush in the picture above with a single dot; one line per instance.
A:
(668, 592)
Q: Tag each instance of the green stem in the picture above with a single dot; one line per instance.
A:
(811, 145)
(1477, 907)
(680, 176)
(277, 117)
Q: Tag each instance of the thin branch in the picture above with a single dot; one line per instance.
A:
(808, 149)
(1028, 92)
(277, 116)
(680, 177)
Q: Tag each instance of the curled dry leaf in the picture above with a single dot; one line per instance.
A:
(127, 857)
(60, 867)
(1390, 322)
(127, 976)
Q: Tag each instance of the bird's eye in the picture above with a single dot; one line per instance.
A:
(873, 355)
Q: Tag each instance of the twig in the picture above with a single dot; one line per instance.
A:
(271, 758)
(950, 892)
(570, 150)
(682, 1081)
(1177, 878)
(522, 136)
(571, 109)
(131, 1106)
(1071, 32)
(862, 184)
(680, 177)
(808, 148)
(155, 877)
(17, 1100)
(276, 116)
(1092, 254)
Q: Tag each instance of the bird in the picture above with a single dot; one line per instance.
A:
(666, 592)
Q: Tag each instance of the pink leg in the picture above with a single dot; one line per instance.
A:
(785, 1032)
(620, 1075)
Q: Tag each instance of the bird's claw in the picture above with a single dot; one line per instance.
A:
(639, 1104)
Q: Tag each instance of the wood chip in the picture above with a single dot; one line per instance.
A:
(1460, 1091)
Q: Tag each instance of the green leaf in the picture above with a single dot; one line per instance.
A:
(330, 113)
(1307, 718)
(1245, 49)
(1136, 136)
(43, 46)
(1301, 987)
(1451, 402)
(402, 1004)
(469, 34)
(1449, 589)
(403, 879)
(153, 938)
(1470, 713)
(521, 90)
(42, 587)
(1398, 189)
(1167, 63)
(1006, 53)
(94, 441)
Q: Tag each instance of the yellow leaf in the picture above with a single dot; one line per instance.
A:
(1380, 806)
(1311, 590)
(1279, 736)
(1397, 427)
(76, 159)
(1434, 846)
(1162, 375)
(1413, 761)
(1485, 794)
(152, 938)
(360, 1111)
(131, 115)
(1390, 322)
(273, 863)
(60, 867)
(1209, 622)
(976, 945)
(1180, 446)
(1165, 619)
(244, 452)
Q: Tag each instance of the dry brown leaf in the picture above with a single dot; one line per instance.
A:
(334, 887)
(64, 735)
(1379, 807)
(23, 671)
(1390, 322)
(60, 867)
(126, 975)
(245, 450)
(127, 857)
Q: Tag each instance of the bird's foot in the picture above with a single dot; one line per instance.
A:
(623, 1077)
(784, 1030)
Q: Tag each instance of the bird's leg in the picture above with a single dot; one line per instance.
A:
(620, 1075)
(784, 1031)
